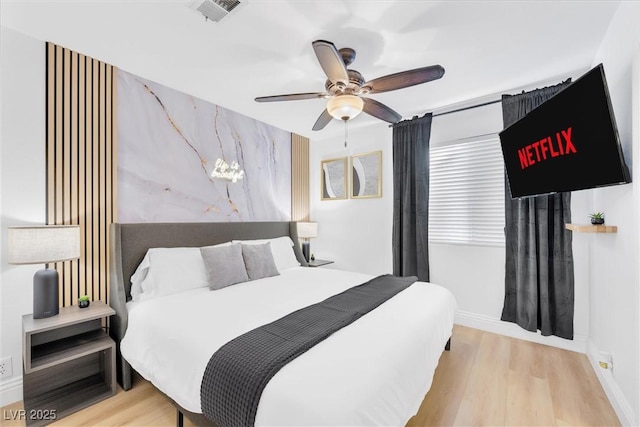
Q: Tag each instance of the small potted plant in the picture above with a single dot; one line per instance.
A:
(83, 301)
(597, 218)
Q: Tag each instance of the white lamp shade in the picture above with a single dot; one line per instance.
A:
(307, 229)
(345, 107)
(43, 244)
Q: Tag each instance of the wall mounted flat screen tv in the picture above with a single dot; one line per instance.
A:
(570, 142)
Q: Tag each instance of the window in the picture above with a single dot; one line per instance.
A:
(466, 192)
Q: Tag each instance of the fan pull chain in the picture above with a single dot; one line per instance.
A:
(346, 134)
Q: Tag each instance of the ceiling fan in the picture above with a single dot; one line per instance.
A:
(345, 88)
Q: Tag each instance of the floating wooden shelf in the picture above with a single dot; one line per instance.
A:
(589, 228)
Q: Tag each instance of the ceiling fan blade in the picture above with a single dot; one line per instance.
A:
(292, 97)
(331, 61)
(323, 120)
(380, 111)
(405, 79)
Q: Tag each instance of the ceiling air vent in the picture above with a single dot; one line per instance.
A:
(214, 10)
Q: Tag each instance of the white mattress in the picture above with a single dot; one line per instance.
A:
(375, 371)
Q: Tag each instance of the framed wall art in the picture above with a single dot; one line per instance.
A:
(333, 179)
(366, 175)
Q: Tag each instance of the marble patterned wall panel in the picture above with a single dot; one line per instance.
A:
(168, 145)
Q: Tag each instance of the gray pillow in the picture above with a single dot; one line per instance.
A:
(258, 261)
(225, 266)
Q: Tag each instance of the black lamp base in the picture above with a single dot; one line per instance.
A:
(306, 250)
(45, 293)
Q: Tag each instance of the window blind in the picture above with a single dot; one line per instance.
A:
(466, 192)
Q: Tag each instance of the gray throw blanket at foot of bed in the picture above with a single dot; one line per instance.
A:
(239, 371)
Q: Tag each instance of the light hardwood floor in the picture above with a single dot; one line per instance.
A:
(488, 379)
(485, 379)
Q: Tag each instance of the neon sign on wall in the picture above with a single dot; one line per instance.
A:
(230, 172)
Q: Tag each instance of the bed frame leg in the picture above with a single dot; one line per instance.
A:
(447, 346)
(180, 419)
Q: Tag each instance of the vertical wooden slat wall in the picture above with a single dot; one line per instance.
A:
(299, 178)
(81, 165)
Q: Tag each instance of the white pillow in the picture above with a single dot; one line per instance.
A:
(165, 271)
(138, 277)
(281, 249)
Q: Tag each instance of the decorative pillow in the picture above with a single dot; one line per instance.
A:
(225, 266)
(281, 248)
(258, 261)
(165, 271)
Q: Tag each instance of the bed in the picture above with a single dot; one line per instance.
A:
(376, 371)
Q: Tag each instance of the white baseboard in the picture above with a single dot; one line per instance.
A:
(11, 391)
(496, 326)
(620, 404)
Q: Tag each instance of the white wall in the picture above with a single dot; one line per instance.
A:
(636, 189)
(614, 323)
(22, 196)
(355, 233)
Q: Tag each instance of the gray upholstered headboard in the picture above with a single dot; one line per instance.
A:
(130, 242)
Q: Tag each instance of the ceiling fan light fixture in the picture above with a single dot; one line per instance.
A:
(344, 87)
(345, 107)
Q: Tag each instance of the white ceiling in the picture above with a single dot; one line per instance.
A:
(264, 47)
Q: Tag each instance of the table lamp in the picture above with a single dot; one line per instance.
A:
(307, 230)
(41, 245)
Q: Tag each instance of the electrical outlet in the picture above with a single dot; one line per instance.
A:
(606, 360)
(5, 367)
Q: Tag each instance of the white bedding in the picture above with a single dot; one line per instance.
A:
(375, 371)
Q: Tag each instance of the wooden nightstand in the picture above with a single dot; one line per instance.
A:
(319, 262)
(68, 362)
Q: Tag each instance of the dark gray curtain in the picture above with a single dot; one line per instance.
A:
(539, 264)
(411, 197)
